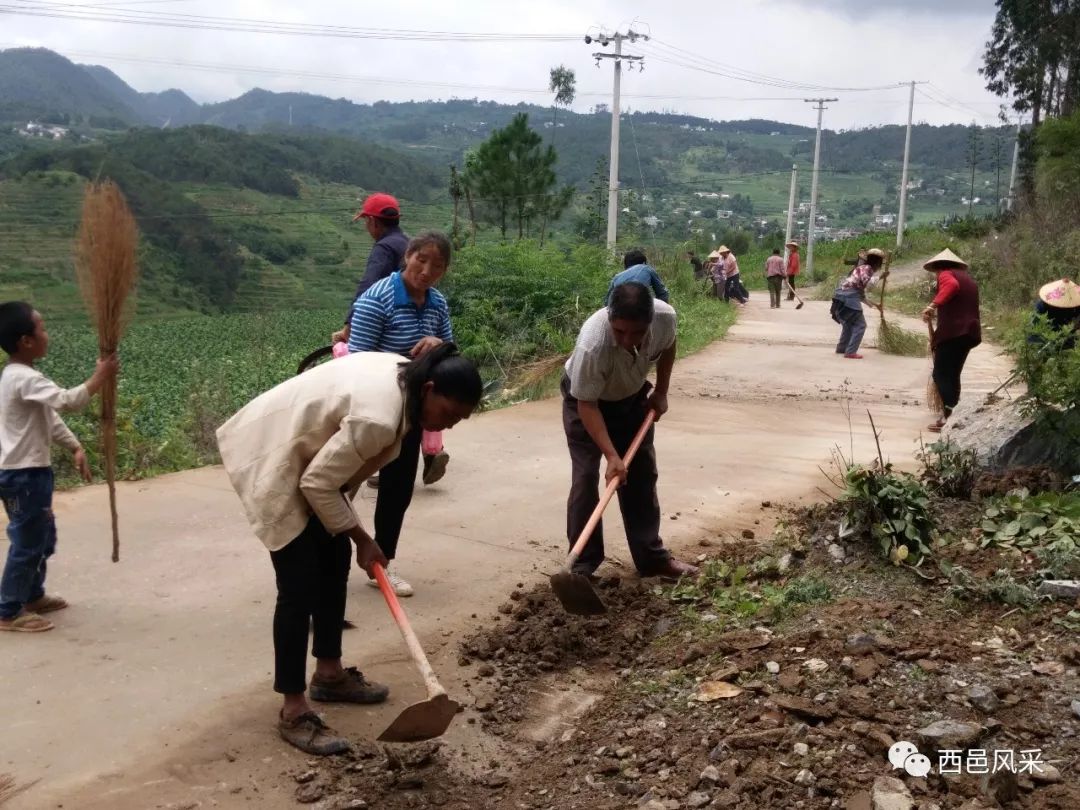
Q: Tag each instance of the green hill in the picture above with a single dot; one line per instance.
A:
(36, 83)
(229, 221)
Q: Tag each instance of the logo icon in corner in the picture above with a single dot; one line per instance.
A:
(904, 755)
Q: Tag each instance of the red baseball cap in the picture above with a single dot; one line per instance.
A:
(379, 205)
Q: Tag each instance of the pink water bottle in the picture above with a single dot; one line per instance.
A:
(340, 349)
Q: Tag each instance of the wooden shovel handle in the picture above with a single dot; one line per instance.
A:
(434, 688)
(613, 485)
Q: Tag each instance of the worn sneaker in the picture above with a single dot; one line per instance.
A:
(401, 587)
(46, 604)
(311, 735)
(435, 467)
(351, 687)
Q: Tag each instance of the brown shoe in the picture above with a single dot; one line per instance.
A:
(675, 569)
(46, 604)
(311, 735)
(351, 687)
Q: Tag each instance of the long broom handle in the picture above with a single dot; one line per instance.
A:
(431, 681)
(613, 485)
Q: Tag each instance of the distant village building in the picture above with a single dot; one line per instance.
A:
(36, 130)
(884, 220)
(724, 214)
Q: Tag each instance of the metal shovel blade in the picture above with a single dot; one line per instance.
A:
(577, 594)
(422, 721)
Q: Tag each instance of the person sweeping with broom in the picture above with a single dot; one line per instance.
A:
(958, 331)
(29, 423)
(296, 456)
(847, 304)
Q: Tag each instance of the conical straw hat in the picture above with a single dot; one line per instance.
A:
(1063, 294)
(723, 249)
(945, 256)
(715, 254)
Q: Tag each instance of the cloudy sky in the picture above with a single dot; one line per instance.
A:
(723, 59)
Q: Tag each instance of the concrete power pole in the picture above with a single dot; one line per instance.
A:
(901, 220)
(790, 211)
(814, 185)
(1012, 174)
(613, 163)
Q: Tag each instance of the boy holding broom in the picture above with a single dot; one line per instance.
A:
(28, 423)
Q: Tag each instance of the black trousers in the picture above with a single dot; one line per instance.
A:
(396, 482)
(949, 359)
(312, 574)
(638, 502)
(776, 286)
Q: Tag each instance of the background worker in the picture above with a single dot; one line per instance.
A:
(959, 330)
(637, 268)
(847, 304)
(774, 275)
(792, 267)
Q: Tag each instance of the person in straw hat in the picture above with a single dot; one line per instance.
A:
(715, 270)
(959, 330)
(733, 287)
(1059, 304)
(847, 304)
(792, 267)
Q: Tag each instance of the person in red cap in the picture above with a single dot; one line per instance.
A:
(382, 217)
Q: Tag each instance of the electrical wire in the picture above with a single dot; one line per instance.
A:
(263, 26)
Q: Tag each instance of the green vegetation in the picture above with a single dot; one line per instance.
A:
(513, 304)
(1047, 524)
(948, 470)
(735, 594)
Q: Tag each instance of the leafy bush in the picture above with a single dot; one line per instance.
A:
(890, 507)
(1047, 524)
(949, 470)
(1049, 365)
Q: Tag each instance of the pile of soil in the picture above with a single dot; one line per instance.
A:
(542, 638)
(707, 705)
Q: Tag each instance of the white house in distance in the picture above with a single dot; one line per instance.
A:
(35, 130)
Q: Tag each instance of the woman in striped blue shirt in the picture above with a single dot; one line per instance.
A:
(406, 315)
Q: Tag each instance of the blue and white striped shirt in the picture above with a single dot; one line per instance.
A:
(385, 319)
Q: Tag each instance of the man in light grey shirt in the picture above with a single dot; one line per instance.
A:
(606, 395)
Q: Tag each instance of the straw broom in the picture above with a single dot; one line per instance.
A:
(106, 271)
(933, 395)
(893, 338)
(9, 789)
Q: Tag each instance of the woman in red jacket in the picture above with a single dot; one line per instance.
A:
(958, 328)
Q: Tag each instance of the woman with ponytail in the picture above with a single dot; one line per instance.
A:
(296, 455)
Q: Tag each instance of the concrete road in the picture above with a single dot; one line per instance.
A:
(155, 688)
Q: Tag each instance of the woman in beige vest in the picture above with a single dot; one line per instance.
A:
(296, 456)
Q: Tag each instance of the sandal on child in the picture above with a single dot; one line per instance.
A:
(26, 623)
(46, 604)
(936, 426)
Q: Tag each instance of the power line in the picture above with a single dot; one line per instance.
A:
(263, 26)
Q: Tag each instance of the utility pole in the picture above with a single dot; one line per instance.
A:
(790, 212)
(901, 219)
(997, 172)
(613, 164)
(1012, 175)
(974, 161)
(821, 102)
